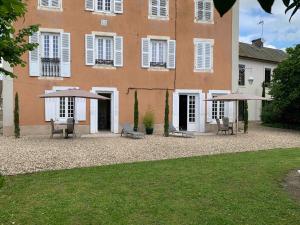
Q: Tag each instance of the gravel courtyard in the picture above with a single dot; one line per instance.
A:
(31, 154)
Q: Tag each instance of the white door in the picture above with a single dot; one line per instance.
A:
(193, 112)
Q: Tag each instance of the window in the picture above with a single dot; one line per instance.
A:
(50, 3)
(203, 55)
(204, 11)
(50, 61)
(52, 58)
(242, 75)
(66, 108)
(104, 51)
(218, 109)
(159, 53)
(158, 8)
(192, 109)
(104, 6)
(268, 74)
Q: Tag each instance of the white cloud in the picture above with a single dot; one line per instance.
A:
(278, 31)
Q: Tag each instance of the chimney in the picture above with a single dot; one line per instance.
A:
(258, 43)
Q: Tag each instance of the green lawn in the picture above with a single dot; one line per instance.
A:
(237, 189)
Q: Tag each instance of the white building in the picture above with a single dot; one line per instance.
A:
(256, 65)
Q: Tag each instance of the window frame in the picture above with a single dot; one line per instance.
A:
(196, 20)
(50, 7)
(104, 49)
(158, 53)
(158, 16)
(218, 111)
(242, 84)
(65, 108)
(270, 70)
(111, 11)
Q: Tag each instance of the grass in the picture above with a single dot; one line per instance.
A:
(244, 188)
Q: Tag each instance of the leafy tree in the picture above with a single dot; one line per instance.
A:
(136, 112)
(16, 117)
(285, 91)
(263, 93)
(223, 6)
(166, 125)
(13, 44)
(246, 115)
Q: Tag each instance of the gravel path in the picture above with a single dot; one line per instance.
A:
(31, 154)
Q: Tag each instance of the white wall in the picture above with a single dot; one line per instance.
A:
(255, 69)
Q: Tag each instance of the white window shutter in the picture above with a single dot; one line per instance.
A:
(118, 51)
(153, 7)
(80, 105)
(145, 52)
(176, 110)
(51, 107)
(34, 56)
(44, 2)
(202, 112)
(231, 111)
(65, 55)
(89, 5)
(163, 11)
(199, 10)
(116, 112)
(208, 56)
(171, 54)
(209, 108)
(89, 49)
(55, 3)
(199, 60)
(118, 6)
(208, 10)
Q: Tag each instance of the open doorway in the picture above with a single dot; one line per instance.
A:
(183, 113)
(104, 113)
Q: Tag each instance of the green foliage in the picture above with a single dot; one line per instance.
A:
(148, 119)
(136, 112)
(1, 181)
(246, 119)
(263, 93)
(224, 6)
(16, 117)
(167, 111)
(13, 44)
(285, 91)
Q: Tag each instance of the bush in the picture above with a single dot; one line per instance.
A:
(1, 181)
(166, 125)
(16, 117)
(148, 120)
(136, 112)
(269, 114)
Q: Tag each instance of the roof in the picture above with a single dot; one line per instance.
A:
(250, 51)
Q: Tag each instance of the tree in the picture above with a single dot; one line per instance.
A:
(166, 125)
(16, 117)
(285, 91)
(223, 6)
(263, 93)
(246, 119)
(136, 112)
(13, 44)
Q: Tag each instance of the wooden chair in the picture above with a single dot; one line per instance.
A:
(54, 130)
(227, 125)
(70, 128)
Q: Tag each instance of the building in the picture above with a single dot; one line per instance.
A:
(115, 47)
(256, 65)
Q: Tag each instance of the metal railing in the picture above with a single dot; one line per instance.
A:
(104, 62)
(50, 67)
(158, 64)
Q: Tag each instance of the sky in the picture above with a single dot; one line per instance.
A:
(278, 31)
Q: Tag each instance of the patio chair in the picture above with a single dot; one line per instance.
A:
(128, 131)
(227, 124)
(70, 128)
(223, 128)
(55, 130)
(174, 132)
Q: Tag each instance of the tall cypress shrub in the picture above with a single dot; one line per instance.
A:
(136, 112)
(16, 117)
(166, 125)
(246, 117)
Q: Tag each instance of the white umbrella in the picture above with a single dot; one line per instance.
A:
(236, 97)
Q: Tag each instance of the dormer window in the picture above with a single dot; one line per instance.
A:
(51, 4)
